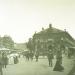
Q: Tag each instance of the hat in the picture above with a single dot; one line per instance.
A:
(50, 46)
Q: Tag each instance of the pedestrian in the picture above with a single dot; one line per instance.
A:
(4, 60)
(31, 54)
(1, 71)
(37, 56)
(50, 56)
(58, 66)
(27, 55)
(15, 59)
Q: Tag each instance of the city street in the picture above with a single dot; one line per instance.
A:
(37, 68)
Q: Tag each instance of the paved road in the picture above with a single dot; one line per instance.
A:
(37, 68)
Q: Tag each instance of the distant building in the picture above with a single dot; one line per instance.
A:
(20, 46)
(52, 36)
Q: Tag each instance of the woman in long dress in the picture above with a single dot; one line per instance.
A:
(58, 65)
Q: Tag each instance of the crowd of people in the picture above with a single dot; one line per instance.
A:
(4, 59)
(50, 56)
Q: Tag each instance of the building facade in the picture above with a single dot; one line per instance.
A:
(51, 36)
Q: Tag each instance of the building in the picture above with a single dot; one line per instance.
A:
(53, 36)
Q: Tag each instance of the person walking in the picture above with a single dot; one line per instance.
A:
(50, 56)
(16, 59)
(1, 64)
(58, 66)
(37, 56)
(4, 60)
(31, 55)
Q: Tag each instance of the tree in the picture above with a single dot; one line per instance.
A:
(1, 41)
(8, 42)
(30, 45)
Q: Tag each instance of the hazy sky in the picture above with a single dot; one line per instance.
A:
(21, 18)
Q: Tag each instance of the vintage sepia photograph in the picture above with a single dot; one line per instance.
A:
(37, 37)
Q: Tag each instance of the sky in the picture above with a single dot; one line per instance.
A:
(20, 19)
